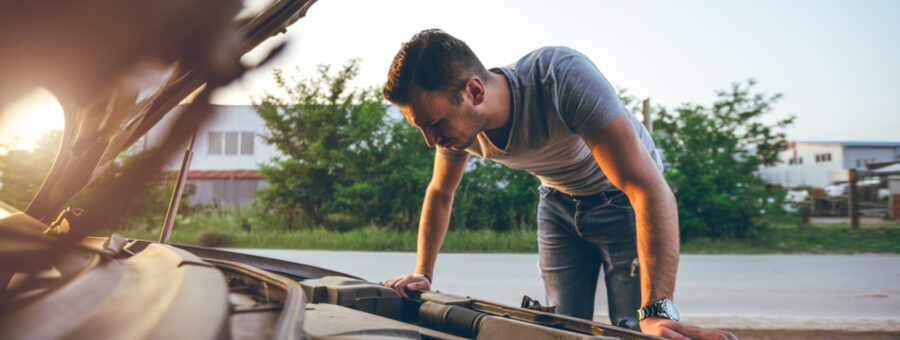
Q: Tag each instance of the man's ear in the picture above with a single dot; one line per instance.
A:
(475, 89)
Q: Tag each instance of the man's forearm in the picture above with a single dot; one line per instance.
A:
(657, 242)
(432, 228)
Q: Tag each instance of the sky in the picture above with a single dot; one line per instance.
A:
(835, 62)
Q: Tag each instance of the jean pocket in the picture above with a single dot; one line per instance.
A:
(619, 200)
(607, 221)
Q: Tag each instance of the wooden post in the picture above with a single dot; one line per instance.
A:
(814, 194)
(894, 201)
(854, 200)
(806, 213)
(648, 122)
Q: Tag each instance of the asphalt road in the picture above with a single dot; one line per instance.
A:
(822, 292)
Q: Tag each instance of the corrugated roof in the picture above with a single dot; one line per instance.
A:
(888, 169)
(853, 143)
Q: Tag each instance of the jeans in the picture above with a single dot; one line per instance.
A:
(577, 235)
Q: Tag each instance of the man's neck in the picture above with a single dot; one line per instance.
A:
(497, 110)
(497, 106)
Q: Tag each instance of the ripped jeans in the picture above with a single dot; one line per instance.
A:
(577, 235)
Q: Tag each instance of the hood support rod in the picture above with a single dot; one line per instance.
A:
(176, 195)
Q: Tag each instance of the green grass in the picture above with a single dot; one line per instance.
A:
(248, 228)
(816, 238)
(367, 238)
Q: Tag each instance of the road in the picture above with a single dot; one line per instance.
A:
(819, 292)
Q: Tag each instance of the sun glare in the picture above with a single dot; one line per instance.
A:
(24, 121)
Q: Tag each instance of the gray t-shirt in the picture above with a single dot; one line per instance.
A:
(559, 99)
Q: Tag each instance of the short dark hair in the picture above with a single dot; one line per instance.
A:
(432, 60)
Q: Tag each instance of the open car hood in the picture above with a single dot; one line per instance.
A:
(109, 98)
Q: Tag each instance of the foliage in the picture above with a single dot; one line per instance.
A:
(494, 196)
(328, 135)
(821, 238)
(349, 161)
(394, 187)
(713, 154)
(22, 171)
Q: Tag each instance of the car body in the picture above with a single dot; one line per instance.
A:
(62, 283)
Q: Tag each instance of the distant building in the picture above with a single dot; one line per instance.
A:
(227, 152)
(822, 163)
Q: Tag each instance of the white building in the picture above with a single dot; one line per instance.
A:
(822, 163)
(227, 152)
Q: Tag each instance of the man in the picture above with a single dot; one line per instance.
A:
(553, 114)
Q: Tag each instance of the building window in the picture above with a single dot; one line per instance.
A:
(246, 143)
(797, 161)
(823, 157)
(231, 143)
(215, 143)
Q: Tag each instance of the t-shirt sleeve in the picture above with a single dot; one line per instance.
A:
(587, 102)
(451, 155)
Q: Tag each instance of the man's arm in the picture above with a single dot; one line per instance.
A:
(433, 223)
(629, 167)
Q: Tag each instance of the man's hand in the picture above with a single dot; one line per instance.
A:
(681, 331)
(408, 282)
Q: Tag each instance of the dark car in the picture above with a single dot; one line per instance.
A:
(62, 283)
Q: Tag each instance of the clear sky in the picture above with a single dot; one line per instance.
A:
(835, 62)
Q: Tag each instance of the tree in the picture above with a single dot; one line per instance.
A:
(493, 196)
(712, 155)
(329, 135)
(344, 154)
(391, 191)
(22, 171)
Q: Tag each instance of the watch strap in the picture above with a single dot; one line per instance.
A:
(656, 309)
(423, 275)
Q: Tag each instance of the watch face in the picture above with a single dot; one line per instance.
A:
(670, 309)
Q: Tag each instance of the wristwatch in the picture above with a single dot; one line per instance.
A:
(664, 308)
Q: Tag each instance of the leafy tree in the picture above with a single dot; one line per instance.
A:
(22, 171)
(327, 133)
(712, 156)
(495, 197)
(399, 179)
(345, 155)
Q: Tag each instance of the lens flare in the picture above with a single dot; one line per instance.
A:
(24, 121)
